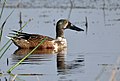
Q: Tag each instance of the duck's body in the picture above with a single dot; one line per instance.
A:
(27, 41)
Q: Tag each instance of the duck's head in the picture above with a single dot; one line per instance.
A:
(63, 24)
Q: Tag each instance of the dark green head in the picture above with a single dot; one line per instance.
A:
(63, 24)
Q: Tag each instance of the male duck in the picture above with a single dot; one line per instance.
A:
(27, 41)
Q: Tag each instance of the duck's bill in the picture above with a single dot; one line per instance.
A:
(76, 28)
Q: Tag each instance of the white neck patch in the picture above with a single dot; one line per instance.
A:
(60, 43)
(66, 25)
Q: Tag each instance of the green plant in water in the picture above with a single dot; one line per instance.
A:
(2, 8)
(1, 28)
(6, 46)
(15, 77)
(3, 24)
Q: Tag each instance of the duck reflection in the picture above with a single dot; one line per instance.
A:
(61, 55)
(43, 55)
(67, 67)
(37, 51)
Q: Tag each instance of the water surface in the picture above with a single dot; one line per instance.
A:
(89, 57)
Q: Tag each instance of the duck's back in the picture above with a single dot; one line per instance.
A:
(25, 40)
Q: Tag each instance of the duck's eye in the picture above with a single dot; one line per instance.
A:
(71, 24)
(60, 23)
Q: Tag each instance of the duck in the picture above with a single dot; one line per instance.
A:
(27, 41)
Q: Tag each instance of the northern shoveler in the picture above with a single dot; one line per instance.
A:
(27, 41)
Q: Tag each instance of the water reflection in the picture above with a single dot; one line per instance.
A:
(48, 62)
(69, 67)
(44, 56)
(20, 52)
(38, 55)
(61, 66)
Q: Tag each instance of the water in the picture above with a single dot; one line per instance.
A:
(91, 57)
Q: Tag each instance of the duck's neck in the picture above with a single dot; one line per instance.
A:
(59, 33)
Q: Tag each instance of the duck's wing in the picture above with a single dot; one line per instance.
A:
(25, 40)
(29, 37)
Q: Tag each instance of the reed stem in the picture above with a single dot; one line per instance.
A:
(2, 9)
(5, 50)
(1, 31)
(10, 40)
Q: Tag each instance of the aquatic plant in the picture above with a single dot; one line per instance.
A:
(71, 7)
(14, 77)
(1, 28)
(8, 44)
(2, 8)
(3, 24)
